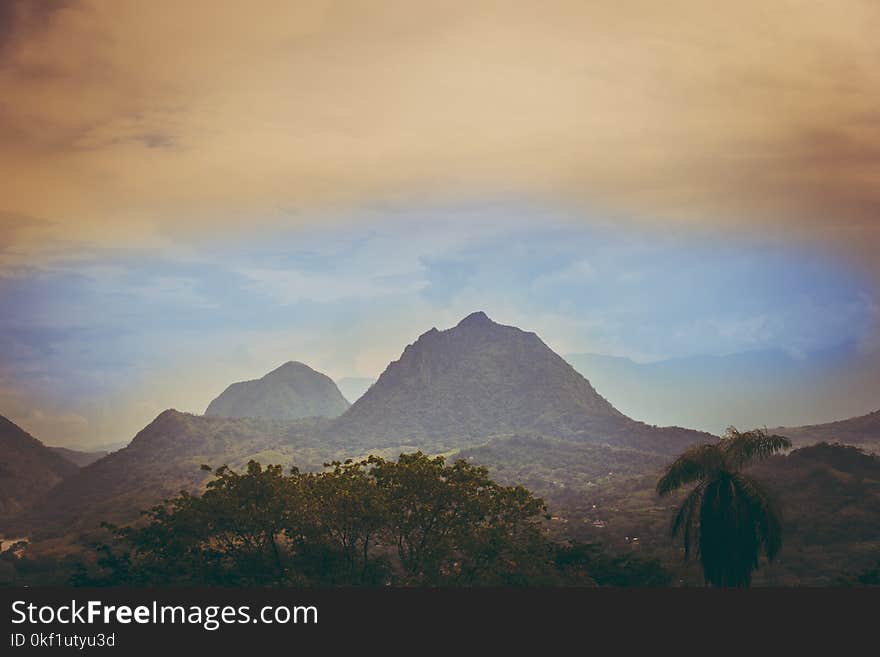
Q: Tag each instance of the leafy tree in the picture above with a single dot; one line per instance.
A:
(347, 512)
(413, 521)
(728, 516)
(453, 524)
(585, 564)
(227, 536)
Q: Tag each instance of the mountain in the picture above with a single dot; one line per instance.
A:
(80, 458)
(767, 387)
(166, 457)
(458, 387)
(290, 392)
(477, 384)
(28, 469)
(862, 431)
(496, 396)
(353, 387)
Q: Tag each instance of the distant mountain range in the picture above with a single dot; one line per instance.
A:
(862, 431)
(450, 390)
(493, 394)
(757, 388)
(290, 392)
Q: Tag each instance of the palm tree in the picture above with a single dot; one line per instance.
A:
(729, 517)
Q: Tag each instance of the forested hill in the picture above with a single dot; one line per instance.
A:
(28, 469)
(289, 392)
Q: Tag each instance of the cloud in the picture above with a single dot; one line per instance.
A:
(142, 117)
(21, 18)
(577, 273)
(117, 335)
(289, 287)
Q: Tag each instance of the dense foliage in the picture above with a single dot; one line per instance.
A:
(830, 497)
(414, 521)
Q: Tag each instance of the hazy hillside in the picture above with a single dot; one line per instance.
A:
(863, 431)
(289, 392)
(28, 469)
(553, 468)
(458, 387)
(829, 496)
(78, 457)
(164, 458)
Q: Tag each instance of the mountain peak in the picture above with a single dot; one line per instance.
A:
(478, 318)
(293, 390)
(290, 367)
(475, 380)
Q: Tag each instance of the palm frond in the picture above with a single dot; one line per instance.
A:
(743, 448)
(764, 511)
(695, 464)
(685, 519)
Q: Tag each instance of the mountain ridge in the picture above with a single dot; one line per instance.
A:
(759, 387)
(289, 392)
(480, 379)
(164, 458)
(862, 431)
(449, 390)
(29, 469)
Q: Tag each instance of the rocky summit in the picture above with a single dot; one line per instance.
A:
(289, 392)
(481, 379)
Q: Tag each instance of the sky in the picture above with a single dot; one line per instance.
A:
(192, 193)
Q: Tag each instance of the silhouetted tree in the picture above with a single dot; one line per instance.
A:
(227, 536)
(347, 513)
(451, 524)
(728, 516)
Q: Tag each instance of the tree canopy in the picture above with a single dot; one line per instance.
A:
(415, 521)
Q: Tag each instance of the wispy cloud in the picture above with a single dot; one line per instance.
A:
(750, 116)
(143, 329)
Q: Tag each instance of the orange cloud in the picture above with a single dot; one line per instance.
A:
(122, 119)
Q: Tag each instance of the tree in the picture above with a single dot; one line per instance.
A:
(414, 521)
(585, 564)
(227, 536)
(451, 524)
(728, 516)
(347, 512)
